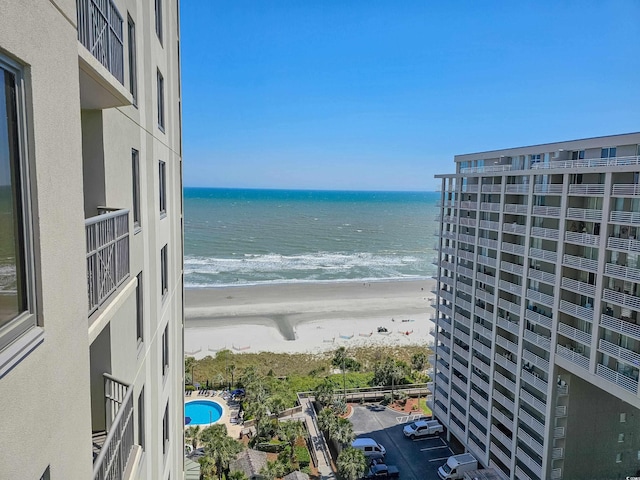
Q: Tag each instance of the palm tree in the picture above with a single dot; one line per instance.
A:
(352, 464)
(290, 431)
(327, 420)
(192, 434)
(219, 447)
(207, 468)
(272, 470)
(237, 475)
(343, 431)
(324, 392)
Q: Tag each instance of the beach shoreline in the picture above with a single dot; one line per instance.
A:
(307, 317)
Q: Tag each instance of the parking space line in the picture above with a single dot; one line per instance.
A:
(439, 459)
(433, 448)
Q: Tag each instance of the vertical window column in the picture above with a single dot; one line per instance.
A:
(162, 186)
(164, 271)
(135, 180)
(133, 65)
(160, 100)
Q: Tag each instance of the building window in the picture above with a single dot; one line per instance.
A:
(139, 310)
(160, 101)
(159, 19)
(165, 351)
(16, 267)
(164, 271)
(577, 155)
(165, 430)
(620, 437)
(609, 152)
(618, 458)
(141, 420)
(623, 417)
(47, 474)
(133, 67)
(162, 186)
(135, 174)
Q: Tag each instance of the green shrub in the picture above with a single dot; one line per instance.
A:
(273, 446)
(189, 388)
(302, 456)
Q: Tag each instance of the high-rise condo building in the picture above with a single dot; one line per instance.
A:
(91, 362)
(538, 308)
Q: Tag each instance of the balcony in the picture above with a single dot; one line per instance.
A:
(582, 238)
(479, 365)
(622, 299)
(485, 332)
(621, 326)
(583, 313)
(587, 189)
(504, 381)
(542, 254)
(535, 381)
(536, 360)
(617, 378)
(488, 261)
(574, 333)
(624, 244)
(539, 405)
(548, 278)
(509, 306)
(529, 441)
(504, 458)
(584, 214)
(580, 263)
(467, 221)
(110, 462)
(632, 218)
(548, 188)
(540, 297)
(505, 401)
(622, 272)
(573, 356)
(487, 242)
(490, 207)
(621, 353)
(479, 399)
(514, 248)
(502, 418)
(626, 190)
(512, 327)
(510, 287)
(517, 188)
(548, 233)
(511, 267)
(101, 55)
(494, 188)
(505, 363)
(539, 340)
(538, 318)
(589, 163)
(489, 225)
(514, 228)
(470, 239)
(534, 465)
(515, 208)
(579, 287)
(107, 240)
(533, 423)
(546, 211)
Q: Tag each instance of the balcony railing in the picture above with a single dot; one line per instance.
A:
(622, 353)
(546, 277)
(531, 442)
(584, 313)
(546, 211)
(626, 244)
(100, 31)
(573, 356)
(580, 262)
(625, 217)
(548, 188)
(517, 188)
(112, 460)
(619, 379)
(550, 233)
(502, 437)
(622, 299)
(542, 254)
(631, 189)
(529, 420)
(620, 271)
(620, 326)
(582, 238)
(587, 189)
(574, 333)
(579, 287)
(589, 162)
(538, 318)
(107, 239)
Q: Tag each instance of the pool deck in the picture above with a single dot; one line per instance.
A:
(228, 412)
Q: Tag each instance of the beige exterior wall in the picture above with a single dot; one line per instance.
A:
(80, 159)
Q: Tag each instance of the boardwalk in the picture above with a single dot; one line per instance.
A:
(317, 440)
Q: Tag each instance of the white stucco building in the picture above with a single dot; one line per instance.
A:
(538, 308)
(91, 345)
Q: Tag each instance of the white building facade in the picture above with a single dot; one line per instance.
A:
(91, 315)
(537, 333)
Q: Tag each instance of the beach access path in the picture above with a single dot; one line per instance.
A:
(307, 317)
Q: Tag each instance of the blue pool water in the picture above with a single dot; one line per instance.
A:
(202, 412)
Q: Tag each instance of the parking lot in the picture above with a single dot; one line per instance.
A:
(416, 459)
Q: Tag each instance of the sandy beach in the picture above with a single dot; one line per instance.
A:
(307, 317)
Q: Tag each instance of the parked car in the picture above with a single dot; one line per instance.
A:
(371, 449)
(456, 466)
(381, 471)
(422, 428)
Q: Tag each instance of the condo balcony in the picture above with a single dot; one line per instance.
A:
(548, 188)
(622, 299)
(534, 465)
(625, 190)
(622, 272)
(580, 263)
(547, 233)
(107, 240)
(114, 449)
(586, 189)
(575, 357)
(530, 441)
(582, 238)
(617, 378)
(101, 55)
(622, 326)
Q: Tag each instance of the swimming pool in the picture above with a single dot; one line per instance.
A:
(202, 412)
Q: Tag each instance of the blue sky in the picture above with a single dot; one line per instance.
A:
(380, 95)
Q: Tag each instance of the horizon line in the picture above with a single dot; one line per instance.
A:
(313, 189)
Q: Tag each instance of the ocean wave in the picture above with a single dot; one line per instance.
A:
(309, 280)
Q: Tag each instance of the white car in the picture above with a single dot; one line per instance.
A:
(422, 428)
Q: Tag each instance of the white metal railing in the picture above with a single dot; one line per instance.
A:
(490, 207)
(557, 453)
(487, 169)
(620, 271)
(533, 465)
(579, 287)
(573, 356)
(589, 163)
(531, 421)
(493, 188)
(625, 189)
(514, 228)
(443, 353)
(508, 345)
(506, 363)
(550, 233)
(559, 432)
(504, 381)
(487, 242)
(535, 359)
(584, 214)
(542, 276)
(512, 248)
(620, 326)
(561, 411)
(445, 310)
(470, 239)
(462, 319)
(475, 448)
(448, 250)
(546, 211)
(479, 399)
(617, 378)
(518, 209)
(625, 244)
(458, 365)
(531, 442)
(446, 295)
(548, 188)
(469, 188)
(100, 31)
(510, 287)
(542, 254)
(622, 353)
(480, 382)
(520, 475)
(489, 261)
(483, 349)
(488, 224)
(465, 254)
(580, 263)
(461, 351)
(504, 401)
(509, 306)
(484, 295)
(455, 411)
(446, 280)
(556, 474)
(584, 313)
(459, 400)
(484, 314)
(467, 221)
(502, 437)
(542, 342)
(478, 416)
(477, 432)
(464, 304)
(468, 205)
(622, 299)
(582, 238)
(517, 188)
(625, 217)
(114, 454)
(574, 333)
(511, 267)
(535, 381)
(107, 242)
(482, 330)
(538, 318)
(586, 189)
(502, 418)
(467, 272)
(536, 403)
(505, 459)
(480, 365)
(512, 327)
(540, 297)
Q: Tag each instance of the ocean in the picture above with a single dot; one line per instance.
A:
(248, 237)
